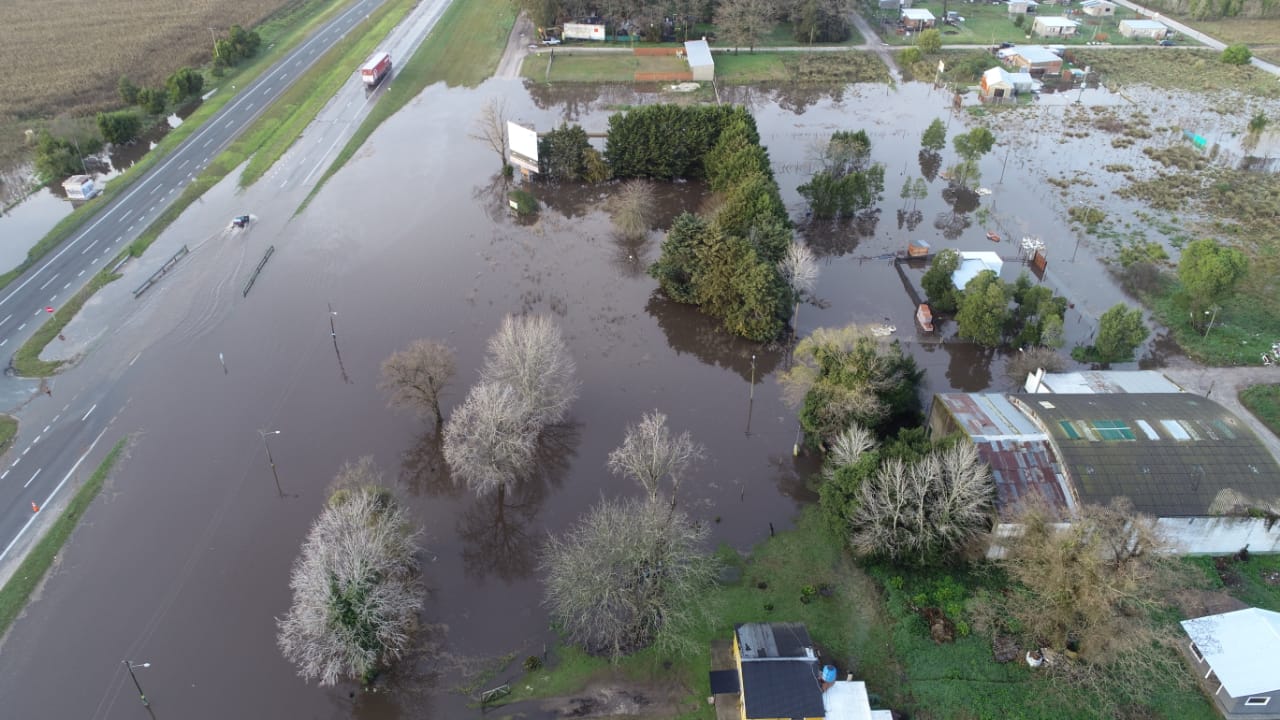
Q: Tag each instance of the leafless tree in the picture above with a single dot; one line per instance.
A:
(417, 375)
(649, 453)
(528, 354)
(923, 511)
(1093, 581)
(1029, 360)
(745, 22)
(799, 269)
(489, 441)
(633, 209)
(355, 586)
(847, 447)
(491, 127)
(631, 574)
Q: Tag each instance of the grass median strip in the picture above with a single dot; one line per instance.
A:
(28, 576)
(463, 48)
(26, 361)
(280, 34)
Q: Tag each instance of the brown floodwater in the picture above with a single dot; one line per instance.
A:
(184, 560)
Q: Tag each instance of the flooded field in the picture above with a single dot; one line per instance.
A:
(184, 561)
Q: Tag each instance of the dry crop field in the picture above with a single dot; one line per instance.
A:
(65, 56)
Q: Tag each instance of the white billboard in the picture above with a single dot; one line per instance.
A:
(583, 31)
(523, 143)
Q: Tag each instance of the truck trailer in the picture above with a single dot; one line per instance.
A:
(375, 68)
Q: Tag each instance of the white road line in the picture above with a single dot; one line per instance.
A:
(153, 208)
(229, 123)
(95, 242)
(46, 429)
(81, 273)
(33, 477)
(66, 407)
(55, 418)
(249, 106)
(130, 227)
(15, 463)
(6, 318)
(4, 474)
(49, 499)
(206, 142)
(51, 279)
(154, 189)
(2, 342)
(53, 297)
(33, 442)
(86, 415)
(64, 287)
(21, 326)
(184, 163)
(24, 452)
(135, 359)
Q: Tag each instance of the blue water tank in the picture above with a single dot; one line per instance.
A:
(828, 673)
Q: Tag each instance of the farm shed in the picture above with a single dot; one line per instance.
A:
(894, 4)
(1022, 7)
(1036, 60)
(1153, 29)
(917, 19)
(698, 53)
(1098, 8)
(1180, 458)
(1234, 655)
(1000, 83)
(1054, 26)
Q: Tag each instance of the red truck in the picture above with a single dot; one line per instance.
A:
(375, 68)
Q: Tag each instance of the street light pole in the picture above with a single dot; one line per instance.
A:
(272, 460)
(130, 666)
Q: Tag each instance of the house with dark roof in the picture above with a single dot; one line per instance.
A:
(1185, 460)
(777, 676)
(1235, 656)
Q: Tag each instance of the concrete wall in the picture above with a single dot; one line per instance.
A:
(1221, 535)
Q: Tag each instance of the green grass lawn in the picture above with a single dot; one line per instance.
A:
(1264, 402)
(1178, 69)
(611, 68)
(750, 68)
(8, 429)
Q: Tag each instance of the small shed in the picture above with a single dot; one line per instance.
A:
(917, 19)
(1054, 26)
(894, 4)
(79, 187)
(1153, 29)
(1022, 7)
(1036, 60)
(1098, 8)
(1000, 83)
(1234, 655)
(698, 54)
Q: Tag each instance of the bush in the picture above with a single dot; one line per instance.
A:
(128, 91)
(563, 154)
(910, 56)
(526, 203)
(183, 84)
(151, 100)
(120, 127)
(1237, 54)
(937, 284)
(59, 156)
(668, 141)
(929, 41)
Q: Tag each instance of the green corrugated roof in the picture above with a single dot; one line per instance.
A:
(1172, 454)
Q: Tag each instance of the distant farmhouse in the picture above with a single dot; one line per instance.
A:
(1098, 8)
(1054, 26)
(1022, 7)
(1087, 438)
(1153, 29)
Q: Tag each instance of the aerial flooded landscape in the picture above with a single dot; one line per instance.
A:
(393, 359)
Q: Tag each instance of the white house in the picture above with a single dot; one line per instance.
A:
(917, 19)
(1237, 657)
(972, 263)
(1153, 29)
(1054, 26)
(1098, 8)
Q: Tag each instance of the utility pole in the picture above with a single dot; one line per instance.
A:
(130, 666)
(213, 34)
(271, 460)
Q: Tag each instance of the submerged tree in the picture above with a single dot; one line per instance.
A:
(633, 209)
(937, 283)
(847, 182)
(417, 375)
(649, 453)
(799, 270)
(528, 353)
(355, 585)
(491, 128)
(631, 574)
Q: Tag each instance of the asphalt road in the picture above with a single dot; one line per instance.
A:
(39, 465)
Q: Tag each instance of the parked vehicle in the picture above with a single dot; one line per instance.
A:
(375, 68)
(240, 221)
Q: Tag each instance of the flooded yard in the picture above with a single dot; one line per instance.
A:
(413, 239)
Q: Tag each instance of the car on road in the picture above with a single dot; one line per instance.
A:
(551, 41)
(240, 221)
(1166, 43)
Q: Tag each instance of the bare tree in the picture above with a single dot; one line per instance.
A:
(924, 511)
(355, 585)
(630, 574)
(529, 354)
(417, 375)
(633, 209)
(745, 22)
(799, 269)
(649, 453)
(491, 127)
(1028, 360)
(1093, 582)
(847, 447)
(488, 441)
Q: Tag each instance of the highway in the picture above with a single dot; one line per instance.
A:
(37, 468)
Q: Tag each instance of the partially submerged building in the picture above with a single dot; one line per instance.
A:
(698, 53)
(1000, 84)
(1035, 59)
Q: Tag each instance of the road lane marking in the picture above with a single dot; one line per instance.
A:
(55, 418)
(49, 499)
(51, 279)
(21, 326)
(46, 429)
(6, 318)
(135, 359)
(27, 450)
(81, 273)
(33, 442)
(86, 415)
(64, 287)
(183, 163)
(154, 189)
(4, 475)
(228, 124)
(2, 342)
(33, 477)
(130, 228)
(95, 242)
(53, 297)
(206, 142)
